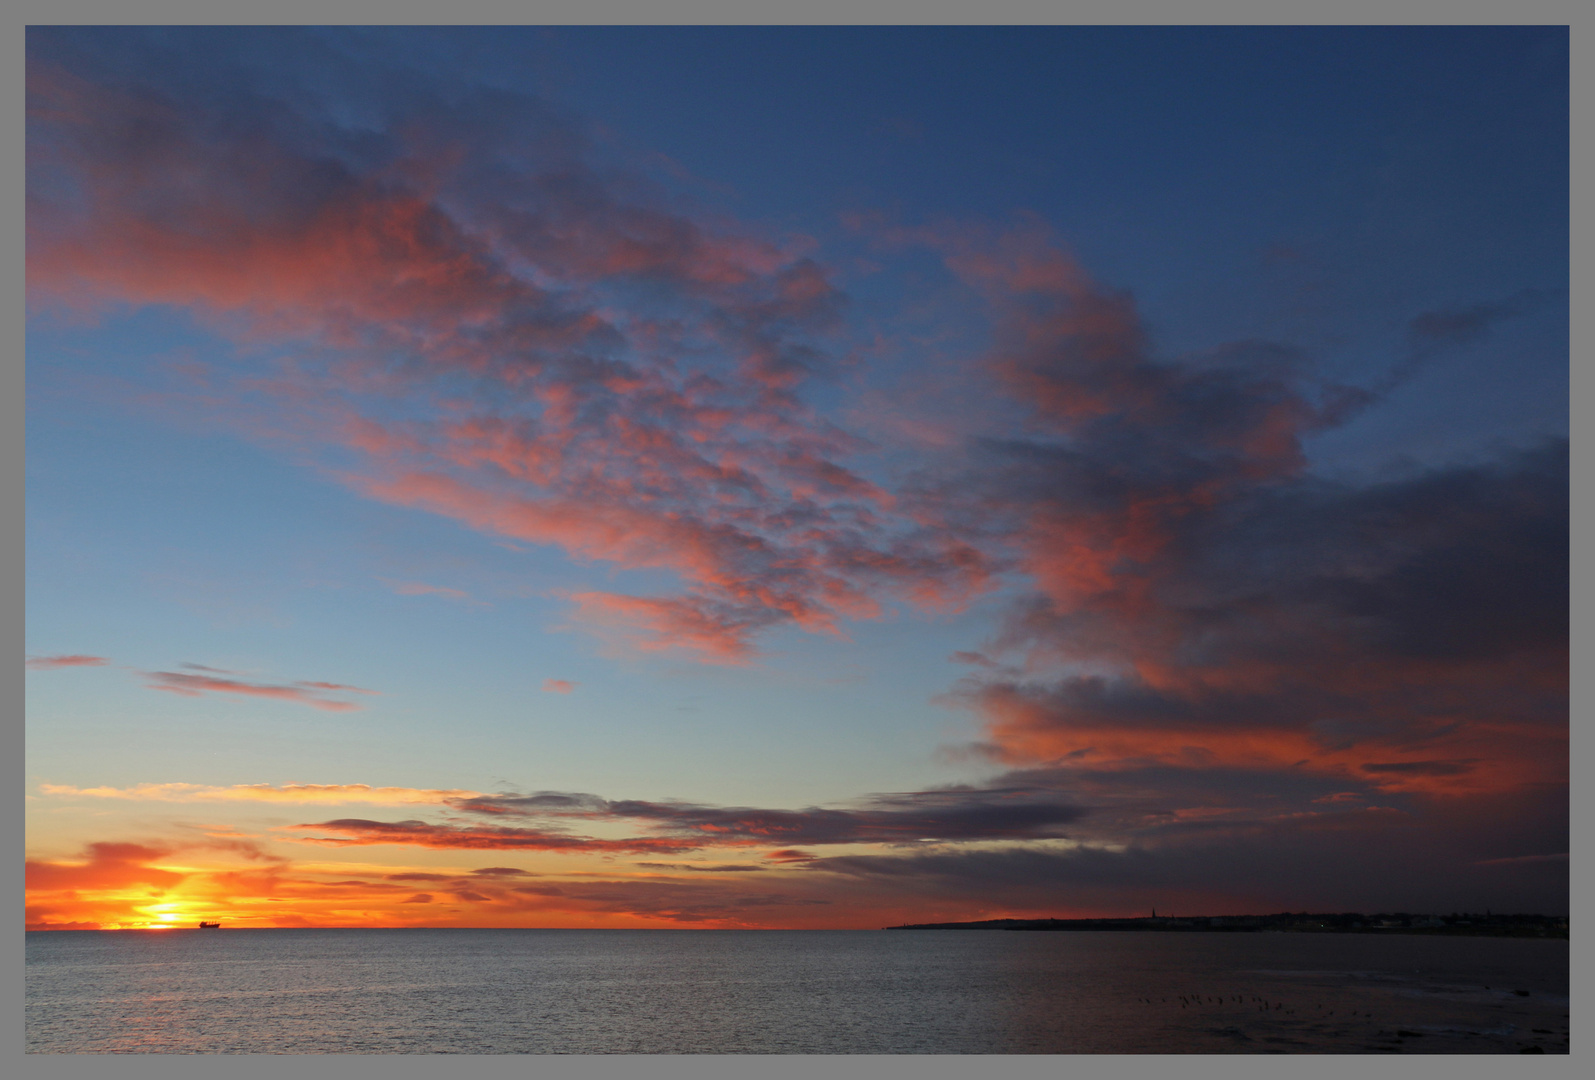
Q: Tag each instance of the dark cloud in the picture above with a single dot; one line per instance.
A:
(553, 803)
(965, 813)
(358, 831)
(723, 868)
(1411, 615)
(672, 901)
(906, 818)
(1219, 650)
(1432, 333)
(1198, 597)
(1468, 323)
(1351, 859)
(1421, 768)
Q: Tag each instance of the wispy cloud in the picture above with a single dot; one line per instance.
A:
(312, 694)
(558, 686)
(341, 687)
(52, 663)
(418, 588)
(1518, 860)
(311, 794)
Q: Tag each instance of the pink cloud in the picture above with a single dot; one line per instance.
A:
(558, 686)
(1229, 608)
(416, 588)
(52, 663)
(719, 633)
(585, 428)
(306, 693)
(336, 686)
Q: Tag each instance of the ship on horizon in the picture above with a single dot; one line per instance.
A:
(210, 926)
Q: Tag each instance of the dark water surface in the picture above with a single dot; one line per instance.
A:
(788, 992)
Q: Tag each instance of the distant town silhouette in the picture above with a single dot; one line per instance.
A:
(1489, 924)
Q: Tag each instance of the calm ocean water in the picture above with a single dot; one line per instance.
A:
(788, 992)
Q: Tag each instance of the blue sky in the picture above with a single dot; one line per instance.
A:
(1258, 215)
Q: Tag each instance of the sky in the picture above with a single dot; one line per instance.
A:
(761, 477)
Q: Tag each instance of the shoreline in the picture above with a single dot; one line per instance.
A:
(1513, 926)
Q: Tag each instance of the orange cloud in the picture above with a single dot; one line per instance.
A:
(558, 686)
(295, 794)
(109, 866)
(113, 885)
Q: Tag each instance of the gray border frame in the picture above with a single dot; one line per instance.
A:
(740, 12)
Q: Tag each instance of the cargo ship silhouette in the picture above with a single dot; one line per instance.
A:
(210, 926)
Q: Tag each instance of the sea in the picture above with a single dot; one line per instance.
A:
(333, 991)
